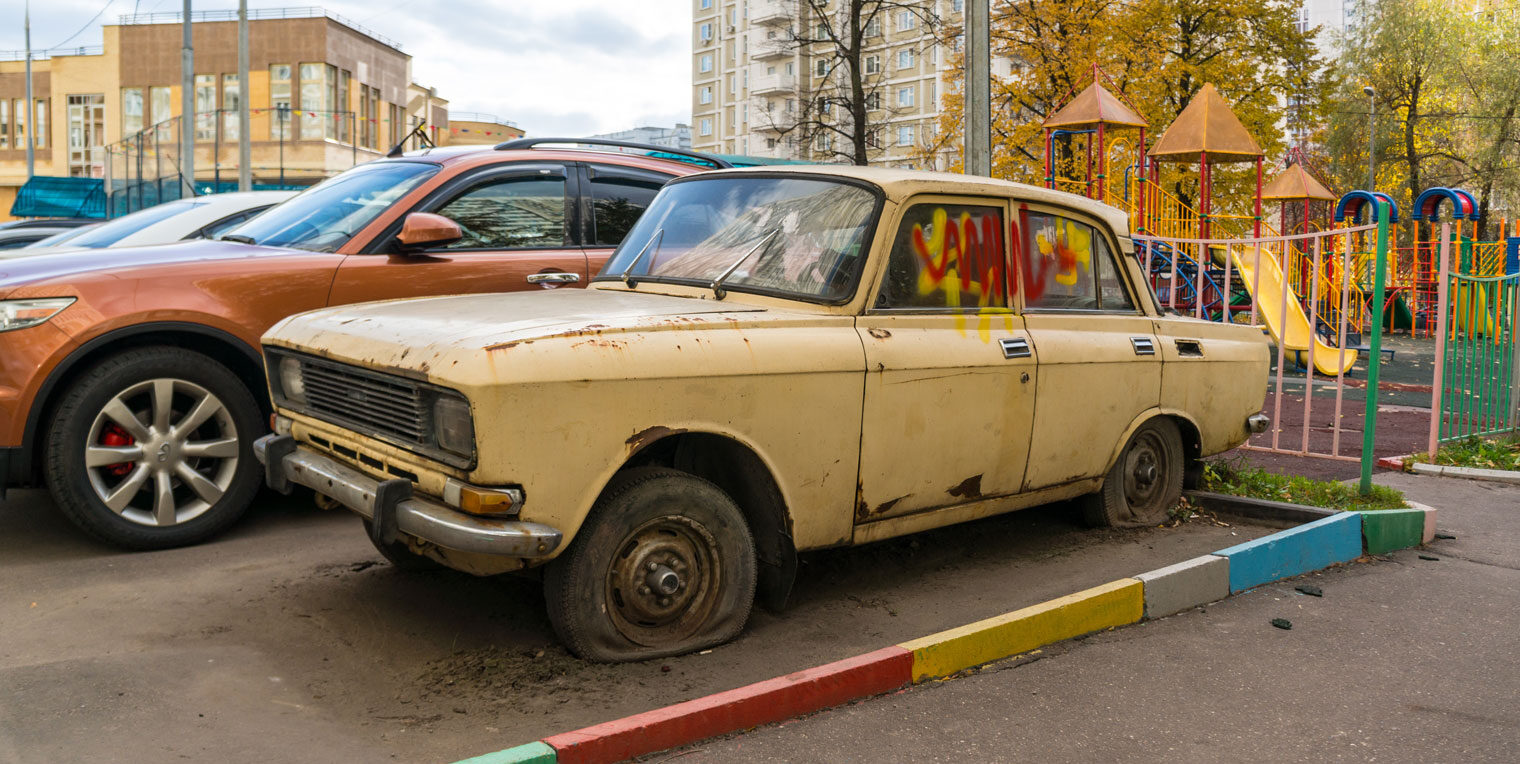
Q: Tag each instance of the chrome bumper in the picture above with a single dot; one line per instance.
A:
(391, 508)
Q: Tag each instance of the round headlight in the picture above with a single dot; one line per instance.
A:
(292, 387)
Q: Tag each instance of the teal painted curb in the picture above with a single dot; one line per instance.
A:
(1387, 530)
(1320, 544)
(529, 753)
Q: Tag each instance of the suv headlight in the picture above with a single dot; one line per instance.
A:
(19, 314)
(453, 427)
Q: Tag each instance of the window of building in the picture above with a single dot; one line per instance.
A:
(40, 124)
(369, 115)
(873, 101)
(131, 112)
(873, 64)
(904, 59)
(906, 20)
(5, 123)
(770, 143)
(160, 111)
(823, 67)
(791, 68)
(705, 32)
(18, 108)
(957, 5)
(706, 126)
(87, 132)
(824, 142)
(873, 28)
(704, 94)
(905, 96)
(704, 64)
(398, 124)
(315, 109)
(231, 100)
(905, 135)
(279, 102)
(344, 124)
(514, 213)
(706, 4)
(205, 107)
(948, 257)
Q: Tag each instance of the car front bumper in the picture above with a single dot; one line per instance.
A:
(391, 507)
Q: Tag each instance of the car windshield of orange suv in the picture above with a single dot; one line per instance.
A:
(131, 387)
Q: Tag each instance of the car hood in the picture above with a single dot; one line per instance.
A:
(22, 267)
(527, 336)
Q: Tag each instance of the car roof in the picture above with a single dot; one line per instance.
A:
(900, 184)
(481, 155)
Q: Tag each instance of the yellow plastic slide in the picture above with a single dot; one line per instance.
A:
(1473, 315)
(1292, 331)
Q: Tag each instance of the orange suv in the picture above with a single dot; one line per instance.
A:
(130, 380)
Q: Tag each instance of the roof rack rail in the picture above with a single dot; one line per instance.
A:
(677, 154)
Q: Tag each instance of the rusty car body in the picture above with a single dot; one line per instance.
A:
(773, 361)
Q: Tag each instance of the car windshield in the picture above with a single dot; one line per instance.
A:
(109, 233)
(325, 216)
(793, 236)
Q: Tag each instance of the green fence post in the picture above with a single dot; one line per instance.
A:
(1369, 420)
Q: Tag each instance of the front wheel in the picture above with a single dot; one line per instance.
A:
(1145, 481)
(663, 565)
(151, 449)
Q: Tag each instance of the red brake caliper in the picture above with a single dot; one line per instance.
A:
(115, 436)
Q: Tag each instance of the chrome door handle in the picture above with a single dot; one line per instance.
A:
(553, 278)
(1016, 347)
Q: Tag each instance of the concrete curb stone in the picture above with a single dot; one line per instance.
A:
(1295, 551)
(1471, 473)
(1187, 584)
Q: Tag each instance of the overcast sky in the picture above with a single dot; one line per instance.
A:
(555, 67)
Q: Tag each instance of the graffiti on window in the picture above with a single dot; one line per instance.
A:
(1057, 263)
(951, 257)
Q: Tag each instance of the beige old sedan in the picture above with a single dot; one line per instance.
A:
(773, 361)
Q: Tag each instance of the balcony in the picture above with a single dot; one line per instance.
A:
(767, 84)
(772, 12)
(761, 49)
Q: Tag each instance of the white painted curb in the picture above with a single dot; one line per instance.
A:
(1471, 473)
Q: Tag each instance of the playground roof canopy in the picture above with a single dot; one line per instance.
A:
(1093, 106)
(1207, 125)
(1295, 183)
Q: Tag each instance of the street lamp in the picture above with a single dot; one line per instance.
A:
(1371, 136)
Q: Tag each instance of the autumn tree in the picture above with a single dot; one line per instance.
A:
(840, 110)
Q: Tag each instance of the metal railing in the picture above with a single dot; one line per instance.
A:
(43, 55)
(477, 116)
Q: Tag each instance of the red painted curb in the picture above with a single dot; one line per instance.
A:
(764, 702)
(1392, 462)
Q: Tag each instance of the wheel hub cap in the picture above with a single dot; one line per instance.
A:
(663, 584)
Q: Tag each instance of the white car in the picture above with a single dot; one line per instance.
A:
(201, 217)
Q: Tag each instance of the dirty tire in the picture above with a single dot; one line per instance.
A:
(400, 557)
(1144, 483)
(663, 565)
(185, 474)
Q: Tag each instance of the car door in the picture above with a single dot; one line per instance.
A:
(950, 374)
(1098, 364)
(520, 227)
(613, 197)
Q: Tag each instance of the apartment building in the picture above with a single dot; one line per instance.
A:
(753, 82)
(324, 94)
(678, 137)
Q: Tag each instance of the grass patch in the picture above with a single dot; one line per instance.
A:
(1235, 477)
(1477, 452)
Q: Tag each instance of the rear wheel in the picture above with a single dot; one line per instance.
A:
(663, 565)
(151, 449)
(1145, 481)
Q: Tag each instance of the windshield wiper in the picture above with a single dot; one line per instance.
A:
(717, 284)
(628, 279)
(236, 237)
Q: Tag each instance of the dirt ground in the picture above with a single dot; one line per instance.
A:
(290, 639)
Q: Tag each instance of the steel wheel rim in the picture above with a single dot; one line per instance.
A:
(1145, 468)
(181, 459)
(663, 584)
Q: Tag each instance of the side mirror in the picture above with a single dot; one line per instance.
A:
(421, 230)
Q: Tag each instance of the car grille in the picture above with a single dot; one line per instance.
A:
(382, 404)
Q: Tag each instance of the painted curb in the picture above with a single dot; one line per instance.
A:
(530, 753)
(1326, 538)
(1188, 584)
(1295, 551)
(1113, 604)
(772, 700)
(1471, 473)
(1392, 462)
(1387, 530)
(1280, 513)
(1430, 520)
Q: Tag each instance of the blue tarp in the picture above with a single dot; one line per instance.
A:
(44, 197)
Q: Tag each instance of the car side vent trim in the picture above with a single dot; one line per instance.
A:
(1190, 348)
(1143, 345)
(1015, 347)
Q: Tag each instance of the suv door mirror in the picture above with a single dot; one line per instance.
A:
(421, 230)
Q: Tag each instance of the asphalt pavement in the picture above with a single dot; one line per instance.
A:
(1403, 658)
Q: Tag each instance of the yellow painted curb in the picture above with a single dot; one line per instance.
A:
(1113, 604)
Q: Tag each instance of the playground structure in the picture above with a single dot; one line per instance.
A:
(1318, 286)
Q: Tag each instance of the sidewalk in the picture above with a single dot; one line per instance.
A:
(1403, 659)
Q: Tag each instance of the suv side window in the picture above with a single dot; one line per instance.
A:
(618, 197)
(521, 212)
(1068, 265)
(947, 256)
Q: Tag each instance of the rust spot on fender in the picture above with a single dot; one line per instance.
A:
(881, 334)
(649, 435)
(606, 344)
(970, 488)
(507, 345)
(862, 512)
(887, 506)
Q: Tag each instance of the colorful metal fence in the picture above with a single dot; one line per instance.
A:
(1476, 390)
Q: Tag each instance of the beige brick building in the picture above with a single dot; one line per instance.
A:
(750, 81)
